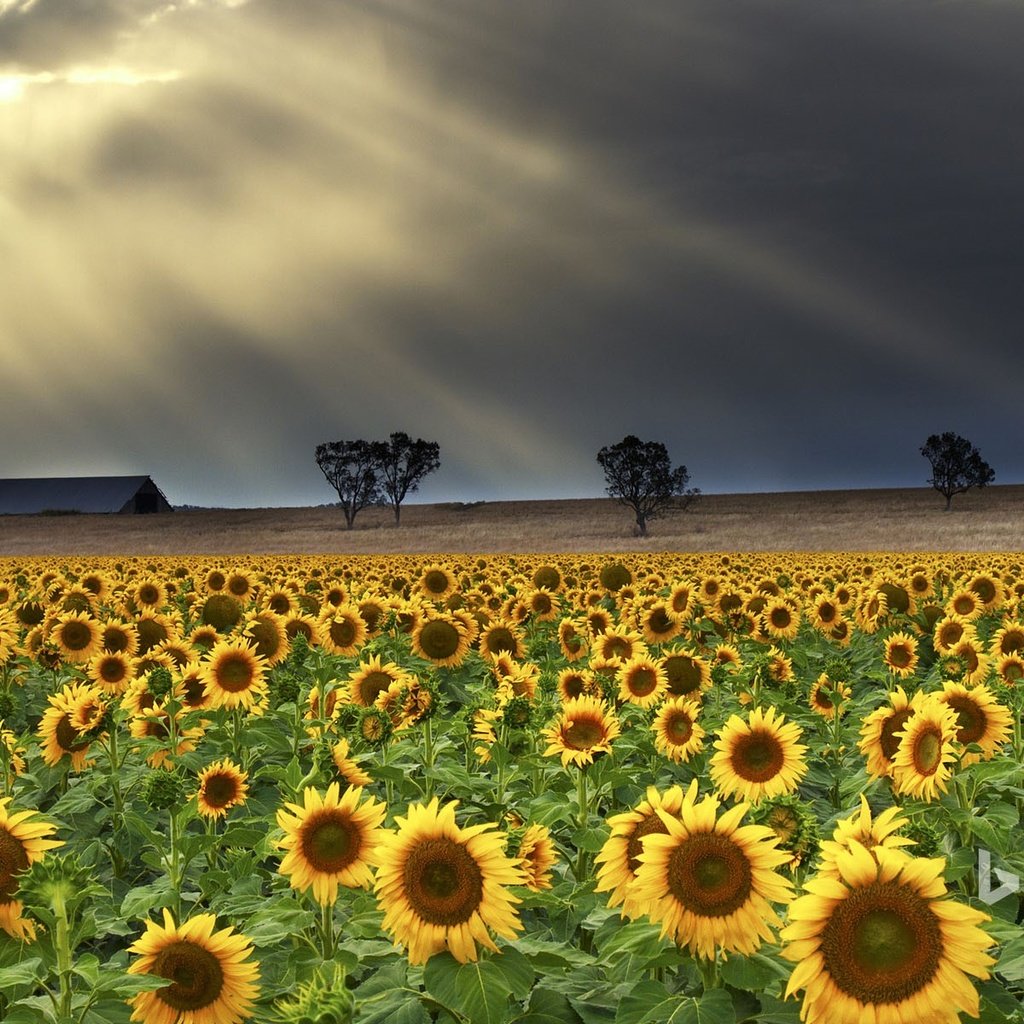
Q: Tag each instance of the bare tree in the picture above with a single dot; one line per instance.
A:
(404, 464)
(352, 468)
(957, 465)
(640, 475)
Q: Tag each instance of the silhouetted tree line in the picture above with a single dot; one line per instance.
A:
(638, 474)
(376, 472)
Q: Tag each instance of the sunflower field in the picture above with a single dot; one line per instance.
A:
(704, 789)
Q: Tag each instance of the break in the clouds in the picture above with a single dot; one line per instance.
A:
(784, 239)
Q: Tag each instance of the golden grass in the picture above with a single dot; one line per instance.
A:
(864, 520)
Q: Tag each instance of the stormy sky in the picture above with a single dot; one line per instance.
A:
(784, 238)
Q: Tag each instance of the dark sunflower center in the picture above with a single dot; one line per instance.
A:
(436, 582)
(372, 685)
(826, 612)
(67, 736)
(709, 875)
(899, 656)
(343, 632)
(220, 790)
(500, 639)
(882, 944)
(439, 639)
(963, 605)
(823, 697)
(148, 594)
(928, 752)
(650, 825)
(583, 734)
(985, 589)
(151, 633)
(781, 618)
(443, 882)
(970, 719)
(1011, 642)
(13, 860)
(234, 673)
(541, 604)
(195, 971)
(195, 690)
(642, 681)
(683, 674)
(659, 622)
(573, 685)
(679, 727)
(267, 638)
(115, 640)
(76, 636)
(758, 757)
(113, 670)
(892, 725)
(330, 841)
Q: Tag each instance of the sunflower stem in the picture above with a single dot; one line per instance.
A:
(428, 758)
(62, 944)
(236, 737)
(709, 975)
(175, 863)
(327, 930)
(583, 818)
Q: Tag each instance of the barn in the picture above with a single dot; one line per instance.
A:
(119, 494)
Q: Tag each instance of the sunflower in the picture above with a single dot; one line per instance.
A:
(441, 639)
(980, 718)
(1008, 639)
(149, 593)
(676, 732)
(729, 656)
(58, 737)
(543, 604)
(974, 662)
(77, 636)
(1010, 669)
(965, 604)
(117, 637)
(824, 613)
(618, 860)
(341, 629)
(233, 674)
(574, 682)
(436, 583)
(659, 624)
(12, 757)
(618, 642)
(572, 639)
(879, 734)
(584, 730)
(708, 881)
(348, 768)
(687, 673)
(921, 765)
(502, 636)
(779, 620)
(900, 654)
(371, 679)
(330, 841)
(949, 631)
(212, 982)
(153, 723)
(642, 681)
(222, 785)
(861, 828)
(24, 839)
(537, 856)
(265, 631)
(827, 697)
(111, 672)
(880, 943)
(443, 886)
(761, 757)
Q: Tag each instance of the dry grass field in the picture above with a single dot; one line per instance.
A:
(862, 520)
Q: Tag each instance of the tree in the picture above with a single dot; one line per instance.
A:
(404, 464)
(957, 465)
(352, 468)
(639, 473)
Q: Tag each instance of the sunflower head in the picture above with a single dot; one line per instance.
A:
(583, 731)
(879, 941)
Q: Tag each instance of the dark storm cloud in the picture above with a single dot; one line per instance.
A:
(784, 239)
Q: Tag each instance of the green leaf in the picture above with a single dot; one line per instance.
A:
(25, 973)
(518, 971)
(752, 973)
(714, 1007)
(483, 993)
(439, 976)
(637, 1003)
(140, 901)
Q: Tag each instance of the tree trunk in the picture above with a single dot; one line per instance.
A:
(949, 502)
(398, 511)
(641, 522)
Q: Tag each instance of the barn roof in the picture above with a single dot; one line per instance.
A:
(30, 495)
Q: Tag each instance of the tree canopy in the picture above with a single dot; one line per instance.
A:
(640, 475)
(352, 468)
(404, 464)
(957, 465)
